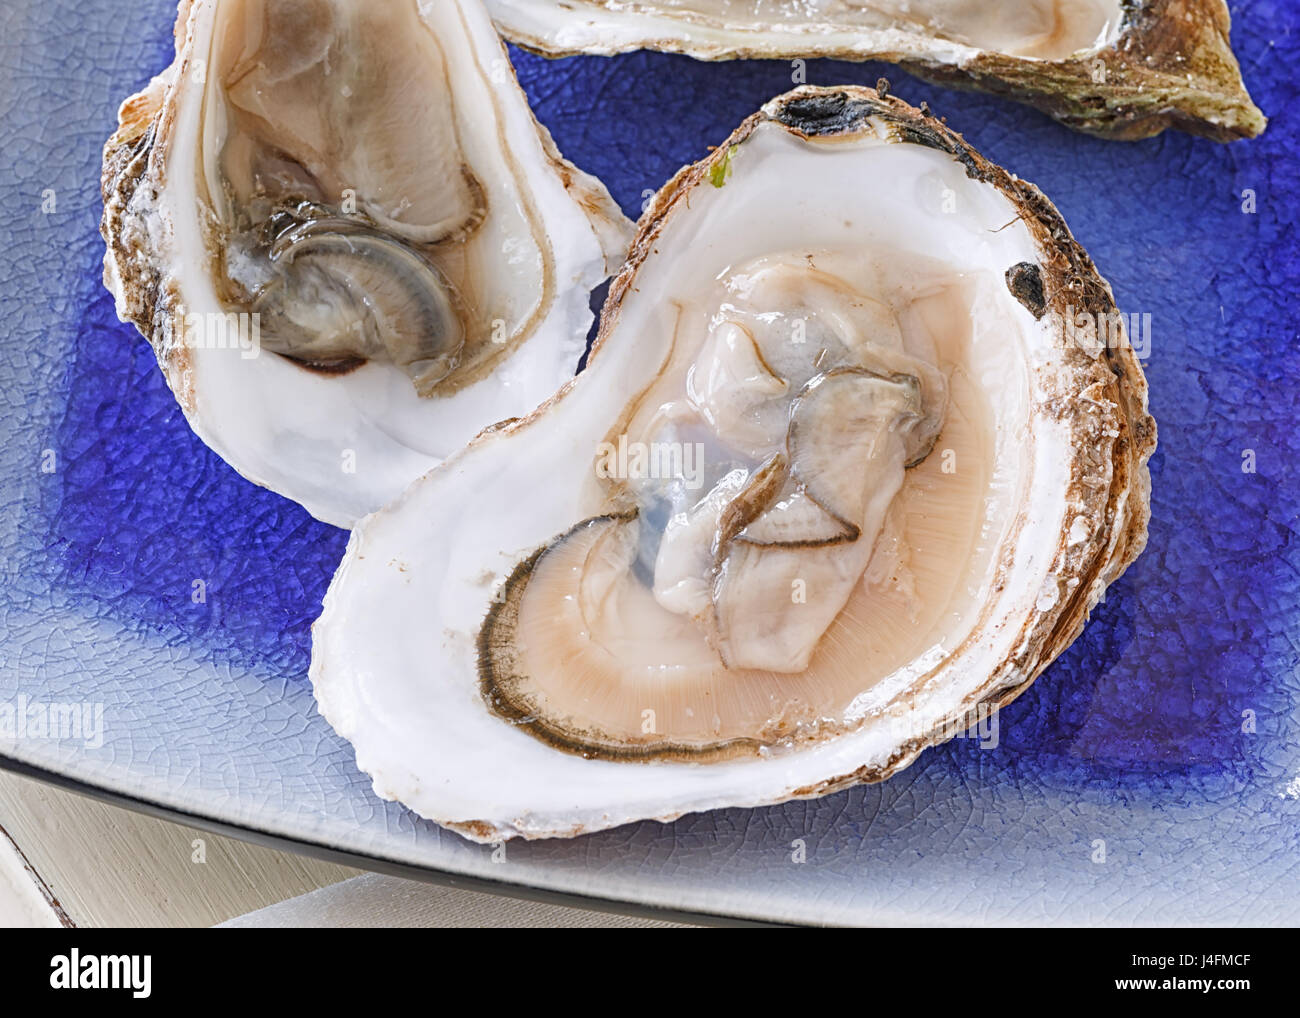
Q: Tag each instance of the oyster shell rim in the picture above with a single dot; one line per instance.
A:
(1138, 97)
(1114, 377)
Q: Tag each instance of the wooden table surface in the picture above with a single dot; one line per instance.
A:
(69, 860)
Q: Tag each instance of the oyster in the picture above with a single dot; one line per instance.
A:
(861, 443)
(1116, 68)
(348, 240)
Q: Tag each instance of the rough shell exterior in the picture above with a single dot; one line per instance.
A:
(130, 272)
(1172, 66)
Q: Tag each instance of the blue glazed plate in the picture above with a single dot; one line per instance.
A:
(1151, 776)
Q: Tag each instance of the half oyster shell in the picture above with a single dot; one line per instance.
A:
(860, 445)
(349, 241)
(1116, 68)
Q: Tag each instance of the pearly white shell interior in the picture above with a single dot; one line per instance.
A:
(394, 663)
(343, 446)
(945, 30)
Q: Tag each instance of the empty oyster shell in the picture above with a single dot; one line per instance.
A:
(840, 472)
(348, 240)
(1116, 68)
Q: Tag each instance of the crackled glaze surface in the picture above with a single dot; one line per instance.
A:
(1133, 737)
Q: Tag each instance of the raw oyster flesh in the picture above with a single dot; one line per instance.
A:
(349, 241)
(860, 445)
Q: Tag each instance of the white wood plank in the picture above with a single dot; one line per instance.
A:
(111, 867)
(25, 901)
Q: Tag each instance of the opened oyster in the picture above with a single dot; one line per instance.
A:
(1118, 68)
(860, 445)
(348, 240)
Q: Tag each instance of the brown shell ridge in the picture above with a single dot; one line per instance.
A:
(1172, 67)
(131, 163)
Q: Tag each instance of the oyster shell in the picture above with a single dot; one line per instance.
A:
(1117, 68)
(349, 241)
(837, 475)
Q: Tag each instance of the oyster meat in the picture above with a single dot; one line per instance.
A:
(1117, 68)
(860, 445)
(349, 241)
